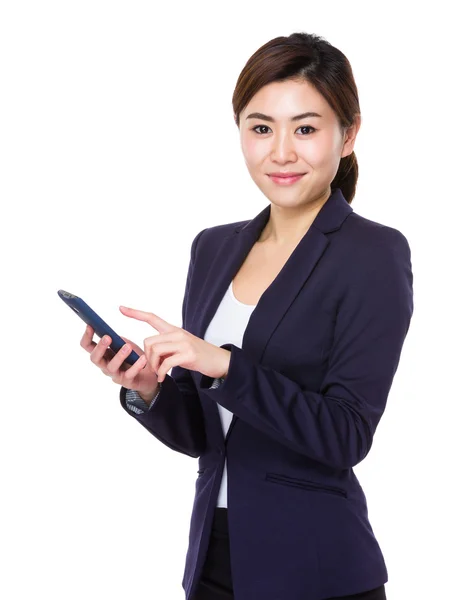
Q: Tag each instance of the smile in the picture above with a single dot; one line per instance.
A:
(285, 180)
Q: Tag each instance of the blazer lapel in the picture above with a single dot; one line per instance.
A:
(280, 294)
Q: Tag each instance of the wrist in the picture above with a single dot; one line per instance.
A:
(148, 397)
(226, 363)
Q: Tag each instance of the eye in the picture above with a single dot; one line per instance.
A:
(266, 127)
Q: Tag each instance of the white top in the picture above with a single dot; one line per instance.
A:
(227, 327)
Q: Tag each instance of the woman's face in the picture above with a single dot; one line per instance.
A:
(312, 145)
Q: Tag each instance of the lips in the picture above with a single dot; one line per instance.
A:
(285, 178)
(285, 174)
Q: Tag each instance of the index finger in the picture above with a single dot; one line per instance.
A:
(148, 317)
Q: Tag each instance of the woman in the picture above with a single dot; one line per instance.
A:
(293, 325)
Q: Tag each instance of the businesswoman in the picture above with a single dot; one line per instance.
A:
(292, 328)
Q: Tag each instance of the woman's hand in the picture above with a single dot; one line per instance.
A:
(139, 377)
(178, 347)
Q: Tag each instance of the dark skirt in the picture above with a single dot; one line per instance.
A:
(216, 579)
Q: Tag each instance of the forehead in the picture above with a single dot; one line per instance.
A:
(283, 99)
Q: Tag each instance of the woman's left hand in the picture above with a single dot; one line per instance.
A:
(179, 347)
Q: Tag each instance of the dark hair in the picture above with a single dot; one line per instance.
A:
(304, 56)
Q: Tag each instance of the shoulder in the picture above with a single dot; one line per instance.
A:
(372, 241)
(371, 258)
(224, 230)
(213, 236)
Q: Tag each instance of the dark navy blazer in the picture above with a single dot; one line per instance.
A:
(307, 389)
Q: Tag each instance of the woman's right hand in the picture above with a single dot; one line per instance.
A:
(139, 377)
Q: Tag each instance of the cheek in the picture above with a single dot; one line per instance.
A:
(320, 154)
(252, 150)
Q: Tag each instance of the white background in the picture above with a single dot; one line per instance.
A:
(117, 147)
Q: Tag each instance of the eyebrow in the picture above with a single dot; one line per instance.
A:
(257, 115)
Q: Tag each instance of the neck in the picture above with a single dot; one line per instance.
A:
(287, 226)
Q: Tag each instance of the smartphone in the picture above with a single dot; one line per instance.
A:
(99, 326)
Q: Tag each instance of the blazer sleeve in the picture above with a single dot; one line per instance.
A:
(335, 424)
(175, 416)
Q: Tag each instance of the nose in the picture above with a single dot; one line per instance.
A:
(283, 148)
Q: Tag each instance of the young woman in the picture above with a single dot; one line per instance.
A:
(292, 329)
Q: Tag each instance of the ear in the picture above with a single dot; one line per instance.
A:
(350, 136)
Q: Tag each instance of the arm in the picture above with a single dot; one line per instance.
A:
(335, 425)
(175, 415)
